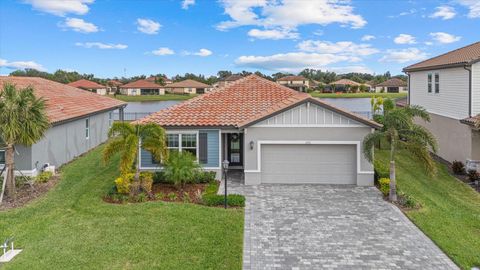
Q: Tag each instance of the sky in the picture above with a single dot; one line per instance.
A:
(114, 38)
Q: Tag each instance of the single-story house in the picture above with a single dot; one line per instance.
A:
(228, 80)
(142, 87)
(79, 120)
(188, 87)
(298, 83)
(90, 86)
(393, 85)
(343, 85)
(113, 86)
(448, 87)
(273, 134)
(154, 79)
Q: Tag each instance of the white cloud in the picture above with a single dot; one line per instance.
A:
(101, 45)
(444, 12)
(367, 37)
(79, 25)
(163, 51)
(346, 48)
(444, 38)
(473, 6)
(148, 26)
(404, 39)
(289, 14)
(203, 52)
(405, 13)
(61, 8)
(272, 34)
(21, 65)
(404, 55)
(187, 3)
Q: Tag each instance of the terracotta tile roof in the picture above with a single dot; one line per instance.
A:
(188, 83)
(86, 84)
(232, 78)
(393, 82)
(141, 84)
(64, 102)
(470, 120)
(345, 82)
(465, 55)
(401, 102)
(292, 78)
(114, 83)
(236, 105)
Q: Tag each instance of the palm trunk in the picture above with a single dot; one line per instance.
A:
(136, 185)
(393, 183)
(9, 176)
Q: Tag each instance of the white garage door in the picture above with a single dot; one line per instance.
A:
(308, 164)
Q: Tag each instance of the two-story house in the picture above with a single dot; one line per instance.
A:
(448, 87)
(298, 83)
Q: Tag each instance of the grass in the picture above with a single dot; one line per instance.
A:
(155, 97)
(358, 95)
(72, 228)
(450, 215)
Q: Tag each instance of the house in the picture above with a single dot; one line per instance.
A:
(228, 80)
(448, 87)
(113, 86)
(344, 85)
(142, 87)
(188, 87)
(90, 86)
(393, 85)
(79, 120)
(271, 133)
(155, 79)
(298, 83)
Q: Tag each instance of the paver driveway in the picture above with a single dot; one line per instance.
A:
(331, 227)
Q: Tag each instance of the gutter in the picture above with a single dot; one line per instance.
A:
(61, 122)
(469, 69)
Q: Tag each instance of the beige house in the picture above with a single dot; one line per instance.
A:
(90, 86)
(448, 87)
(298, 83)
(153, 79)
(393, 85)
(228, 80)
(142, 87)
(113, 86)
(188, 87)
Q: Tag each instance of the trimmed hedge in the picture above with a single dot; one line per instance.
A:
(199, 178)
(211, 198)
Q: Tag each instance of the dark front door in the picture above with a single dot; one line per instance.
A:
(235, 149)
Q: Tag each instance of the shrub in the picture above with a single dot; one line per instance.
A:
(180, 168)
(473, 175)
(172, 196)
(112, 191)
(212, 188)
(44, 177)
(381, 170)
(458, 167)
(146, 181)
(21, 181)
(120, 198)
(407, 201)
(203, 177)
(159, 177)
(159, 196)
(384, 185)
(234, 200)
(186, 197)
(142, 197)
(124, 183)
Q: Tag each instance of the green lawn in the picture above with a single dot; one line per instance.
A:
(72, 228)
(155, 97)
(358, 95)
(450, 215)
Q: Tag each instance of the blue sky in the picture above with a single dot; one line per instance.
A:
(133, 37)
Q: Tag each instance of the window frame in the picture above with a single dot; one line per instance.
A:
(437, 83)
(180, 147)
(429, 82)
(2, 152)
(87, 128)
(110, 119)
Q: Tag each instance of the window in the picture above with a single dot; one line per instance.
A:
(437, 83)
(110, 119)
(172, 142)
(182, 142)
(87, 128)
(2, 156)
(429, 83)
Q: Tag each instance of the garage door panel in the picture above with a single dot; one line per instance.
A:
(297, 164)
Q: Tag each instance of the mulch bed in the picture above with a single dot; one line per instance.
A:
(463, 177)
(193, 191)
(27, 193)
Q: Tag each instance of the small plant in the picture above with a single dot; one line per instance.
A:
(159, 196)
(458, 167)
(172, 196)
(159, 177)
(407, 201)
(186, 197)
(197, 196)
(473, 175)
(120, 198)
(44, 177)
(180, 168)
(384, 185)
(146, 181)
(124, 183)
(142, 197)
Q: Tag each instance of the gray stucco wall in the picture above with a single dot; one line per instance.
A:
(256, 134)
(64, 142)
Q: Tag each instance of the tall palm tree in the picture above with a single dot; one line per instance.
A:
(127, 139)
(401, 132)
(23, 120)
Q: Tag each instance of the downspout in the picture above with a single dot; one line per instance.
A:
(408, 90)
(469, 69)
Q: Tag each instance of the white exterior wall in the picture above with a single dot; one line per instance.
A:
(306, 82)
(453, 99)
(476, 88)
(130, 91)
(401, 89)
(102, 91)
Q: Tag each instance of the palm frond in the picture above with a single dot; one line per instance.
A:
(417, 111)
(123, 129)
(422, 155)
(114, 146)
(421, 136)
(129, 153)
(369, 142)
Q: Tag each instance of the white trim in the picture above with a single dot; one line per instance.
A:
(309, 125)
(32, 172)
(295, 142)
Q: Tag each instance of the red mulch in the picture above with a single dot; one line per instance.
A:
(27, 193)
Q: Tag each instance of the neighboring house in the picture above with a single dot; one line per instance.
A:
(298, 83)
(79, 122)
(188, 87)
(448, 87)
(90, 86)
(228, 80)
(393, 85)
(142, 87)
(271, 133)
(113, 86)
(343, 85)
(154, 80)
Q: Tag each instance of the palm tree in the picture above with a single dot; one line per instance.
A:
(128, 138)
(23, 120)
(401, 132)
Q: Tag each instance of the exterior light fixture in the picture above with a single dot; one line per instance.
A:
(225, 170)
(251, 145)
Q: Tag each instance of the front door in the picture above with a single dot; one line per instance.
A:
(235, 149)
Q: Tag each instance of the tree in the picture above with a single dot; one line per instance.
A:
(127, 139)
(180, 167)
(23, 120)
(400, 131)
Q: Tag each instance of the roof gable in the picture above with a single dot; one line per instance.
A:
(86, 84)
(394, 82)
(189, 83)
(141, 84)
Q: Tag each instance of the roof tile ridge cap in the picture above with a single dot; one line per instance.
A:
(234, 83)
(443, 54)
(346, 111)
